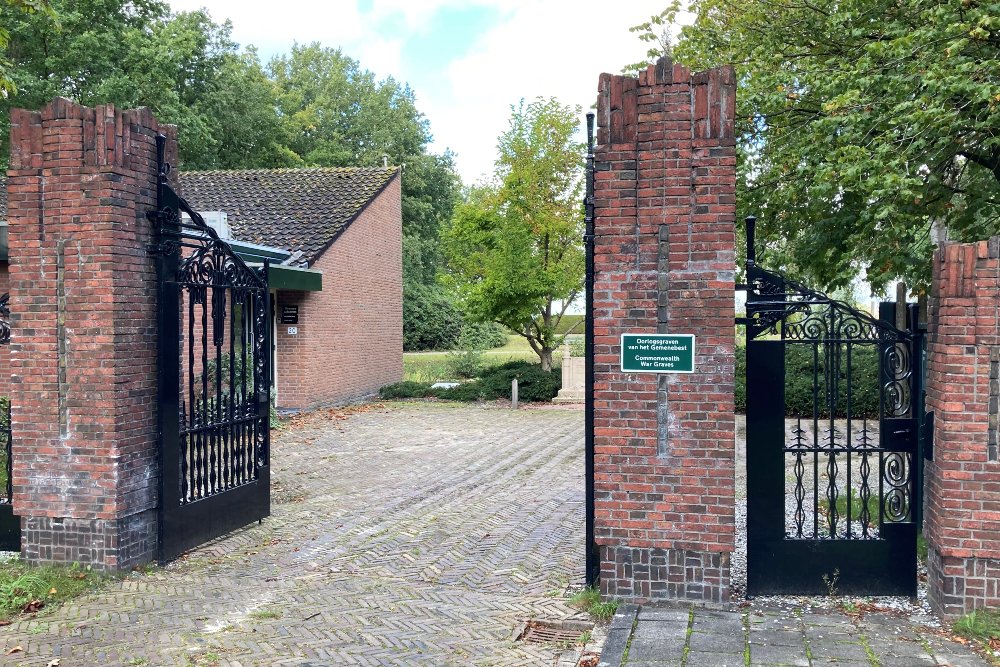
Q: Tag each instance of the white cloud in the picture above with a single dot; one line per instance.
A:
(535, 48)
(549, 49)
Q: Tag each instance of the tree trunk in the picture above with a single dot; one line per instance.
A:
(545, 354)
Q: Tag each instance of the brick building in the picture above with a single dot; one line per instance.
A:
(333, 237)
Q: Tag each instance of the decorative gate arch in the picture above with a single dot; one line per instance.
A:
(214, 388)
(833, 497)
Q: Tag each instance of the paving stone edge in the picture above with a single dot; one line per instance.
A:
(622, 626)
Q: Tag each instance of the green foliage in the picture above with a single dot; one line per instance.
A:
(800, 374)
(861, 124)
(589, 600)
(578, 348)
(570, 323)
(431, 318)
(335, 113)
(514, 246)
(466, 363)
(312, 107)
(534, 385)
(856, 506)
(980, 624)
(22, 584)
(482, 336)
(406, 389)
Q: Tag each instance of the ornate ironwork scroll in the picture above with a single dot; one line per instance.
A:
(215, 346)
(849, 475)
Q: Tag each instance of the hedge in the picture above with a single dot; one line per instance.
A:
(799, 374)
(533, 385)
(431, 319)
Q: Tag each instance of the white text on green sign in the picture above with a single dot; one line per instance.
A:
(657, 353)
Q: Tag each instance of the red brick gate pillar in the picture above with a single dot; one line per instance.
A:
(664, 262)
(962, 482)
(83, 348)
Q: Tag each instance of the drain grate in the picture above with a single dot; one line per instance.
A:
(553, 632)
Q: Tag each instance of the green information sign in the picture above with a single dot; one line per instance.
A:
(657, 353)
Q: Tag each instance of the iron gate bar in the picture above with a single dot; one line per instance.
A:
(10, 524)
(865, 554)
(214, 439)
(592, 551)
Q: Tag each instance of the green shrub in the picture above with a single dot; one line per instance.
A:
(466, 363)
(482, 336)
(406, 389)
(802, 369)
(534, 384)
(431, 319)
(577, 348)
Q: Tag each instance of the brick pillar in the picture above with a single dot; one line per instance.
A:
(83, 350)
(664, 262)
(962, 483)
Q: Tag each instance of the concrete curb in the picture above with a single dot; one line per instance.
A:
(619, 634)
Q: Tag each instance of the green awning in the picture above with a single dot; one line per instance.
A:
(292, 278)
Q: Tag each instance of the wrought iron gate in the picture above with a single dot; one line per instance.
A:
(10, 525)
(833, 493)
(214, 394)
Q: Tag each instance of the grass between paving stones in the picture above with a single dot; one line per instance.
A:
(687, 638)
(746, 640)
(631, 636)
(28, 589)
(589, 600)
(873, 658)
(982, 628)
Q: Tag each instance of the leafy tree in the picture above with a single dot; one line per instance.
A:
(514, 245)
(862, 125)
(135, 53)
(28, 7)
(337, 113)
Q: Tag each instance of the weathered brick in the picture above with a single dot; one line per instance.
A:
(665, 262)
(82, 358)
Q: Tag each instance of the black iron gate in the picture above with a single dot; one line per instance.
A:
(214, 393)
(10, 525)
(833, 493)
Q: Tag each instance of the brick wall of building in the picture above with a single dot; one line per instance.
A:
(665, 262)
(83, 350)
(962, 483)
(350, 334)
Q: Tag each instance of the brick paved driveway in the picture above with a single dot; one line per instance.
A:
(413, 534)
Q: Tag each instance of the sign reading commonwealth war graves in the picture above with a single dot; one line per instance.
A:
(657, 353)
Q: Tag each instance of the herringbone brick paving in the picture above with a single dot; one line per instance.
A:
(404, 534)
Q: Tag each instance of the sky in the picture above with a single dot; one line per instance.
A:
(467, 61)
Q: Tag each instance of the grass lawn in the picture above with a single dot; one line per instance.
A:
(434, 366)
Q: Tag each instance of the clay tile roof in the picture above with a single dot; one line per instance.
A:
(291, 209)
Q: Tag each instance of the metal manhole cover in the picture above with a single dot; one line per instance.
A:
(553, 632)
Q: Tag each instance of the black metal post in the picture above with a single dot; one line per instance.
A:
(917, 406)
(593, 556)
(751, 233)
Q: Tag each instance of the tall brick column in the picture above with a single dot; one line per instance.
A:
(962, 483)
(83, 350)
(664, 262)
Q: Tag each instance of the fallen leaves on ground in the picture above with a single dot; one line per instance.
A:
(16, 649)
(32, 606)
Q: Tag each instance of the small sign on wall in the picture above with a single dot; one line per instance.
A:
(289, 315)
(657, 353)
